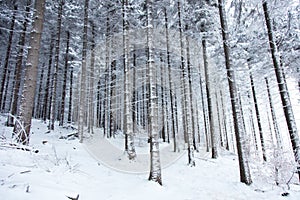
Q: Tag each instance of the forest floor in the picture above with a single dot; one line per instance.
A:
(63, 167)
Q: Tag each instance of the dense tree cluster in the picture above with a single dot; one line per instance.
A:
(192, 73)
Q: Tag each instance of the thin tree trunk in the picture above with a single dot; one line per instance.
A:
(245, 176)
(170, 82)
(91, 82)
(286, 102)
(261, 135)
(214, 149)
(224, 120)
(71, 96)
(18, 70)
(47, 102)
(82, 107)
(56, 63)
(275, 124)
(5, 75)
(22, 127)
(63, 98)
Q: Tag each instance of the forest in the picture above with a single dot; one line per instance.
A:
(209, 76)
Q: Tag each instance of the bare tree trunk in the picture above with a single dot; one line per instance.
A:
(82, 107)
(261, 135)
(71, 96)
(18, 70)
(170, 82)
(204, 113)
(276, 129)
(224, 120)
(22, 127)
(285, 99)
(91, 82)
(245, 176)
(155, 166)
(37, 110)
(63, 98)
(6, 61)
(214, 149)
(128, 124)
(55, 75)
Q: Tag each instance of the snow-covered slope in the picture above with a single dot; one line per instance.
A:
(63, 167)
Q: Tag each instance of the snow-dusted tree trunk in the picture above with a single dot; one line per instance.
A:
(6, 61)
(70, 96)
(128, 124)
(261, 135)
(155, 166)
(23, 125)
(91, 81)
(276, 128)
(224, 120)
(170, 85)
(18, 69)
(245, 176)
(56, 67)
(214, 149)
(285, 99)
(47, 102)
(82, 98)
(63, 96)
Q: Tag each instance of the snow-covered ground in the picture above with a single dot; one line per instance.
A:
(64, 167)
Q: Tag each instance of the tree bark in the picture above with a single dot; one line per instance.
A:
(56, 67)
(261, 135)
(155, 166)
(22, 127)
(285, 99)
(82, 107)
(6, 61)
(18, 70)
(64, 88)
(245, 176)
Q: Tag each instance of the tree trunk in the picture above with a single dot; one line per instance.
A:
(63, 97)
(56, 67)
(245, 176)
(22, 127)
(214, 149)
(71, 96)
(18, 70)
(285, 99)
(170, 83)
(128, 124)
(155, 166)
(261, 135)
(91, 82)
(6, 61)
(82, 107)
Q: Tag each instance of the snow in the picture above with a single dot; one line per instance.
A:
(64, 167)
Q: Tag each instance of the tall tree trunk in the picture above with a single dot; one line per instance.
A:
(155, 166)
(56, 67)
(71, 96)
(18, 70)
(245, 176)
(5, 76)
(128, 124)
(63, 98)
(214, 149)
(23, 125)
(47, 102)
(37, 110)
(91, 82)
(224, 120)
(170, 82)
(285, 99)
(261, 135)
(276, 128)
(82, 107)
